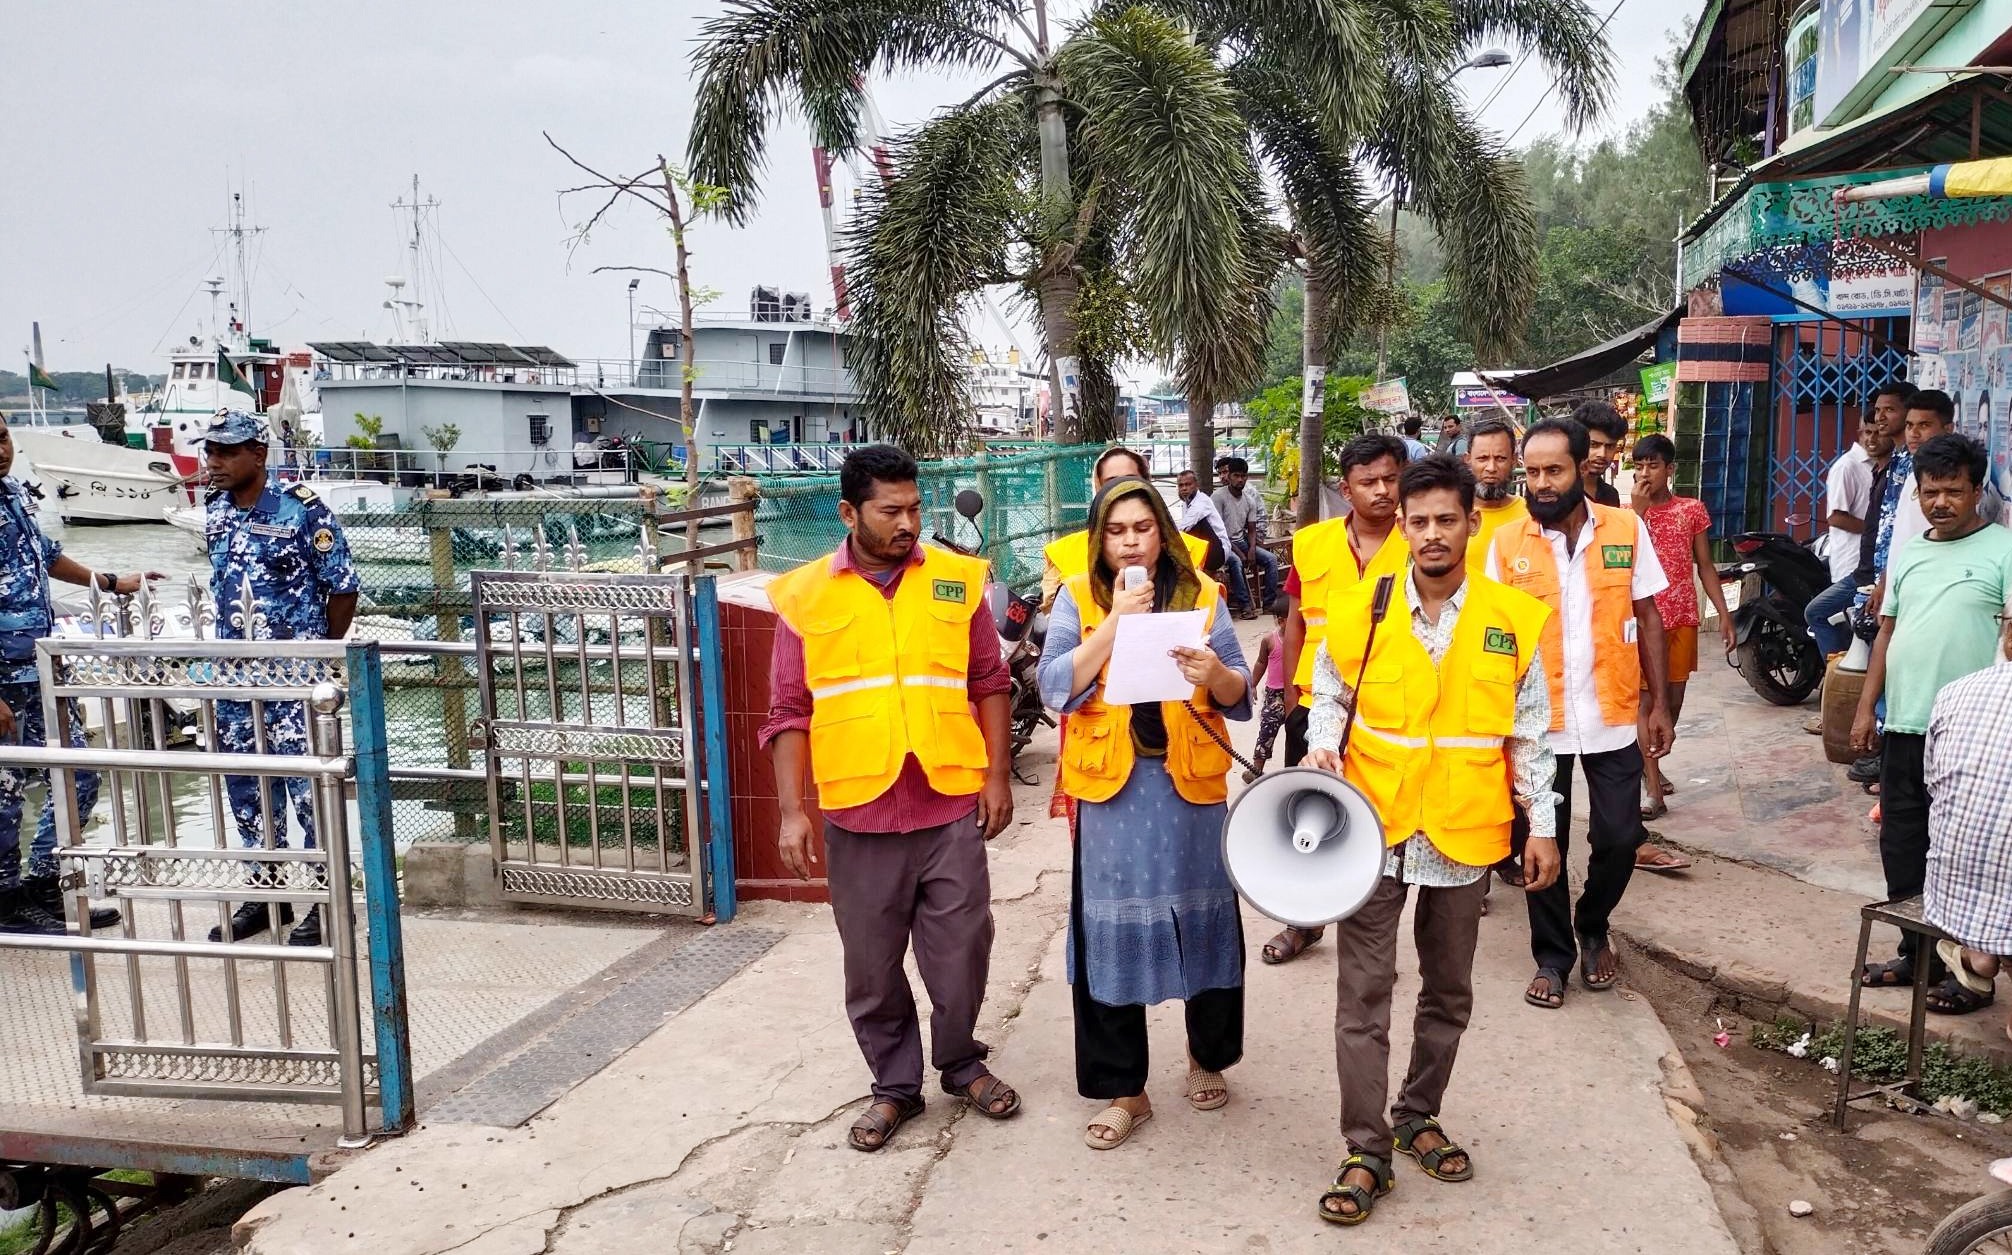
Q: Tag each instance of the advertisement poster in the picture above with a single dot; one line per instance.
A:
(1848, 280)
(1839, 52)
(1659, 386)
(1391, 396)
(1963, 346)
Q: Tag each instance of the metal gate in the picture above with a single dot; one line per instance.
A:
(161, 1010)
(589, 720)
(1825, 373)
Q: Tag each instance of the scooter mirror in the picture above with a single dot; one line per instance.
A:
(971, 504)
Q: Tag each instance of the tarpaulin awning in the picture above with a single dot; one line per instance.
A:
(1581, 369)
(1952, 180)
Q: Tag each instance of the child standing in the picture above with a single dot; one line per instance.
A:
(1271, 664)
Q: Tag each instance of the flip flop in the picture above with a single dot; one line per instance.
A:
(1660, 860)
(1119, 1121)
(1557, 986)
(1951, 951)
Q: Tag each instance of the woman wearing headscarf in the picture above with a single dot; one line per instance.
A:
(1152, 913)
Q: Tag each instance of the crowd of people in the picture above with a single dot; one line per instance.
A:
(1527, 635)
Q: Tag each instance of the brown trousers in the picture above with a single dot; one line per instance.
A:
(934, 886)
(1445, 928)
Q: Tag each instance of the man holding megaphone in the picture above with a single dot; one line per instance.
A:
(1442, 726)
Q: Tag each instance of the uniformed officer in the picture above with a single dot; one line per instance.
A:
(27, 561)
(290, 548)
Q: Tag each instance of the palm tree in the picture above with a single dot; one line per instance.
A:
(1108, 176)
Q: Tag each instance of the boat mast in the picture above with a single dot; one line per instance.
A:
(239, 235)
(410, 311)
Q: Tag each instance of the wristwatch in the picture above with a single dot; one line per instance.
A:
(107, 582)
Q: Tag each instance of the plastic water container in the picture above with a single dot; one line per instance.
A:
(1842, 684)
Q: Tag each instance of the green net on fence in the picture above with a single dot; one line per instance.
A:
(1030, 498)
(415, 565)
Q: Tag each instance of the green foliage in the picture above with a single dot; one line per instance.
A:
(1879, 1055)
(368, 428)
(1275, 419)
(442, 438)
(77, 387)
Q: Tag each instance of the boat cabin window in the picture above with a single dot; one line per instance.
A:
(776, 350)
(541, 429)
(181, 370)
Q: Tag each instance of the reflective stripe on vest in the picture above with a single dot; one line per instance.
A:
(1326, 565)
(1097, 755)
(1428, 742)
(1524, 560)
(888, 677)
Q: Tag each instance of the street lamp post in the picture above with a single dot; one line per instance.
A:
(1489, 60)
(632, 331)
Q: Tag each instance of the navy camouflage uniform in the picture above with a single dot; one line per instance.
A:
(291, 547)
(26, 615)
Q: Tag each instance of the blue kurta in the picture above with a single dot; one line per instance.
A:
(1160, 917)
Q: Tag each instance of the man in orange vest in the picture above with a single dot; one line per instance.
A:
(1603, 654)
(879, 658)
(1328, 557)
(1449, 734)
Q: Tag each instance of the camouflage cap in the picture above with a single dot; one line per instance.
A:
(229, 426)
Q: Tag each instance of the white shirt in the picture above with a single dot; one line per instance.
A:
(1586, 731)
(1847, 487)
(1197, 508)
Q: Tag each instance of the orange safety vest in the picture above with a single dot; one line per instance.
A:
(1098, 753)
(1070, 555)
(1491, 522)
(1428, 746)
(1523, 560)
(1326, 566)
(888, 676)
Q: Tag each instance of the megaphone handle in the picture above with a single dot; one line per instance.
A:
(1378, 607)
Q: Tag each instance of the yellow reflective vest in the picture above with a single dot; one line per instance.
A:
(1326, 565)
(888, 676)
(1429, 743)
(1097, 755)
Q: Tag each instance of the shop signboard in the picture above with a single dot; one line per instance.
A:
(1389, 397)
(1480, 397)
(1858, 41)
(1849, 279)
(1657, 381)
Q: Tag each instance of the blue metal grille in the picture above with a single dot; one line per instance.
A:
(1824, 376)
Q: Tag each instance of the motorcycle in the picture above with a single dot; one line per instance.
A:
(1022, 628)
(1779, 576)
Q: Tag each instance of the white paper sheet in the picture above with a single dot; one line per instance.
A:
(1141, 669)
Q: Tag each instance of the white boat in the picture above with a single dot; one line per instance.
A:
(88, 481)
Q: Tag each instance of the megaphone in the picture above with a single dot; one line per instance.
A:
(1304, 847)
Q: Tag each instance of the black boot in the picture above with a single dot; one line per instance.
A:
(44, 892)
(308, 931)
(251, 919)
(19, 914)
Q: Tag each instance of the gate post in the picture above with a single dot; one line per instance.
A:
(713, 723)
(380, 886)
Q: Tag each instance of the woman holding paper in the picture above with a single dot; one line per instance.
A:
(1152, 913)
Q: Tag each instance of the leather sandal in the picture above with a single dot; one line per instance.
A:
(983, 1092)
(872, 1123)
(1290, 943)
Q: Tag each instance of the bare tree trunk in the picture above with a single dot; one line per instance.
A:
(1313, 397)
(1099, 410)
(687, 348)
(1202, 438)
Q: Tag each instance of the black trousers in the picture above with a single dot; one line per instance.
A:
(1295, 736)
(1903, 830)
(1613, 794)
(1112, 1059)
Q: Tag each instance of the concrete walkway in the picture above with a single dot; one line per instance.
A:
(725, 1127)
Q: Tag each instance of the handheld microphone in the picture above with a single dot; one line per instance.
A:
(1133, 577)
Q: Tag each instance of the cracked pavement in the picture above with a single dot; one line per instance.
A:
(724, 1129)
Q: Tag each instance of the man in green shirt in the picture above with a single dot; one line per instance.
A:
(1945, 596)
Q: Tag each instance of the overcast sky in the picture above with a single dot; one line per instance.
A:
(125, 124)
